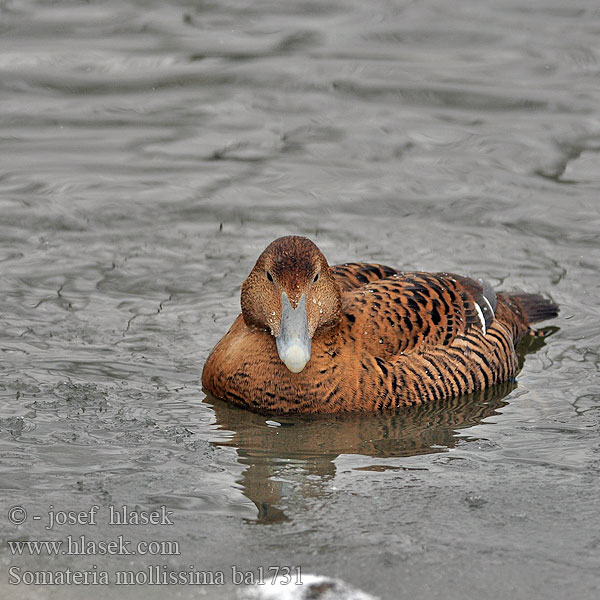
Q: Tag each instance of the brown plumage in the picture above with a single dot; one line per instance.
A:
(376, 338)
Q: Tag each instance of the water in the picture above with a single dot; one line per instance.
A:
(151, 150)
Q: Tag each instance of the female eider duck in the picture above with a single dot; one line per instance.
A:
(314, 338)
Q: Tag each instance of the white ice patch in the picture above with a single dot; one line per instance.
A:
(313, 587)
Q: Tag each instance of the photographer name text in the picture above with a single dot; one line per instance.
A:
(121, 515)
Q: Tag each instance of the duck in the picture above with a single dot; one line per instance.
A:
(314, 338)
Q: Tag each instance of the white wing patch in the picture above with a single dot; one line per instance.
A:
(489, 305)
(480, 315)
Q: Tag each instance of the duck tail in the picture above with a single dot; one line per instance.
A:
(536, 308)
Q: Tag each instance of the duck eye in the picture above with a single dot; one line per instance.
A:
(316, 278)
(269, 277)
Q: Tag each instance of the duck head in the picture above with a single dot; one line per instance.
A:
(291, 293)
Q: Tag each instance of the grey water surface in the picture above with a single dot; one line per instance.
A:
(150, 151)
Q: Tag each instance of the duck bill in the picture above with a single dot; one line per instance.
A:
(293, 341)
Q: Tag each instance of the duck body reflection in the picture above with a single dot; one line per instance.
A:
(299, 451)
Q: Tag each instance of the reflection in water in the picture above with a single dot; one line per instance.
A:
(281, 450)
